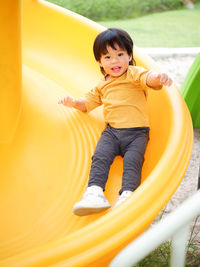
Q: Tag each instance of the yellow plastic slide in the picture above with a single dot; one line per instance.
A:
(46, 148)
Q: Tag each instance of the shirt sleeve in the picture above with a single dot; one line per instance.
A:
(139, 76)
(143, 80)
(92, 99)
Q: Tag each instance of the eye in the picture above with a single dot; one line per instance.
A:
(120, 54)
(107, 57)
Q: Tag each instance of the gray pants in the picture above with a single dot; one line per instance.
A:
(131, 144)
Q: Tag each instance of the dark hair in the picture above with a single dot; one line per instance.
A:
(110, 37)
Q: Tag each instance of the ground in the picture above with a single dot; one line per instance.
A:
(177, 67)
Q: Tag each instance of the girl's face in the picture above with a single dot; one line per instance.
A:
(115, 62)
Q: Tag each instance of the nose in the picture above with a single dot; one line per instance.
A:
(114, 59)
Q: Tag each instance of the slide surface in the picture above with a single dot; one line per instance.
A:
(190, 90)
(44, 166)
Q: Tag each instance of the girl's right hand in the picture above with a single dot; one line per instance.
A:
(67, 101)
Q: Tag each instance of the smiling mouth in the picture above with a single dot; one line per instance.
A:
(116, 69)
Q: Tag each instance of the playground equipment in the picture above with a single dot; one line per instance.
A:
(190, 90)
(45, 148)
(175, 225)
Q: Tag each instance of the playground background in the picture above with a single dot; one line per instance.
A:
(45, 140)
(159, 24)
(177, 66)
(173, 26)
(156, 24)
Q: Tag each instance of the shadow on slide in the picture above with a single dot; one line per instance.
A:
(44, 166)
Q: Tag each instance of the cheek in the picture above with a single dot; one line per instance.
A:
(127, 61)
(105, 65)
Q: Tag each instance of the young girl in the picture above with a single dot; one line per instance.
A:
(123, 93)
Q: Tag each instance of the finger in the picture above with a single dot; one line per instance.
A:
(65, 99)
(166, 80)
(157, 76)
(170, 82)
(60, 101)
(163, 78)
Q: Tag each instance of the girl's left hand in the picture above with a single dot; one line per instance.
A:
(164, 79)
(156, 80)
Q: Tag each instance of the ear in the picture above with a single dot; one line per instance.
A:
(130, 58)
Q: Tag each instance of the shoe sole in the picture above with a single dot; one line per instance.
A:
(88, 211)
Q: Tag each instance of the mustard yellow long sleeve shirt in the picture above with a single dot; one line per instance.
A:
(124, 99)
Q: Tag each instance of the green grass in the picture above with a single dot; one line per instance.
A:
(179, 28)
(160, 257)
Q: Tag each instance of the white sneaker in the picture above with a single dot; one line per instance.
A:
(123, 197)
(93, 201)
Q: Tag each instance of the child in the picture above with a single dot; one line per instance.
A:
(123, 93)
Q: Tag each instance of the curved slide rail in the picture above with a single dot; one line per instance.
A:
(190, 90)
(44, 168)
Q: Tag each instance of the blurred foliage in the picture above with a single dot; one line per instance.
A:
(99, 10)
(174, 28)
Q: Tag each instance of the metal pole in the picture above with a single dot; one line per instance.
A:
(179, 245)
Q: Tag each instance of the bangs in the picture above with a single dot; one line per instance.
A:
(112, 43)
(111, 37)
